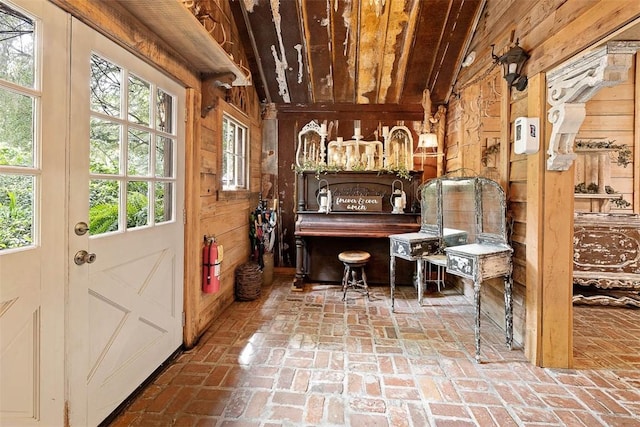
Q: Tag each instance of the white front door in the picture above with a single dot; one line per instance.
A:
(126, 183)
(34, 58)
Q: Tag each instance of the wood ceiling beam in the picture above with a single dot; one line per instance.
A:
(257, 62)
(350, 111)
(315, 18)
(344, 35)
(394, 68)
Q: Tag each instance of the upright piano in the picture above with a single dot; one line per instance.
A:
(352, 210)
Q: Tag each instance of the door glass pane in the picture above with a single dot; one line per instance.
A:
(142, 165)
(164, 157)
(104, 209)
(139, 152)
(137, 203)
(17, 62)
(106, 80)
(16, 129)
(163, 206)
(16, 210)
(18, 146)
(105, 147)
(164, 112)
(139, 94)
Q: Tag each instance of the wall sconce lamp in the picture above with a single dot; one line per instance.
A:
(512, 63)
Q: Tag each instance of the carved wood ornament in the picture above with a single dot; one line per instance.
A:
(572, 84)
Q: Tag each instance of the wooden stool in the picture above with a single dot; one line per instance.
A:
(354, 260)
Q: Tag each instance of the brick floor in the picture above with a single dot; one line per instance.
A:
(307, 358)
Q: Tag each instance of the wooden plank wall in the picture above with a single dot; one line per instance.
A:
(223, 214)
(610, 116)
(552, 32)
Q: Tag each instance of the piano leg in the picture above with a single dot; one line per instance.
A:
(301, 272)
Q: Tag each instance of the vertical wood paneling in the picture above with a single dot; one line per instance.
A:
(514, 175)
(609, 117)
(224, 214)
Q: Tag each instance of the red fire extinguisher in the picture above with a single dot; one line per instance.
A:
(211, 259)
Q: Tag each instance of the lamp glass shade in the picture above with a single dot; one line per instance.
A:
(512, 63)
(428, 140)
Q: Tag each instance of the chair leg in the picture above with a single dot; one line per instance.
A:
(350, 279)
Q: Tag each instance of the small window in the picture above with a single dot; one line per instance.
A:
(235, 158)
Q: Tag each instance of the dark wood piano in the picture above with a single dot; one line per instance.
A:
(348, 210)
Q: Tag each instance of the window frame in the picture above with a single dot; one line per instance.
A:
(34, 170)
(243, 145)
(124, 176)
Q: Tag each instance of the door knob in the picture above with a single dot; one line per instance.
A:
(83, 256)
(81, 228)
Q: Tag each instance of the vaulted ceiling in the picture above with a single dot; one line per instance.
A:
(355, 51)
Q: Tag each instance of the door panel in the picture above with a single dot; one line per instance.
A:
(125, 308)
(32, 274)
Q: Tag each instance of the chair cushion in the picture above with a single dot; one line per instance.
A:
(440, 260)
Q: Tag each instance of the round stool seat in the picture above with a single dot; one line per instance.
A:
(354, 262)
(354, 257)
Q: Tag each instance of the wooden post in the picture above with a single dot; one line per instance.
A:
(535, 174)
(636, 140)
(549, 252)
(192, 238)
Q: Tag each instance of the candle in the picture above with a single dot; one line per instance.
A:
(385, 131)
(323, 128)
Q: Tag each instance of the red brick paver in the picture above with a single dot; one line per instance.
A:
(309, 359)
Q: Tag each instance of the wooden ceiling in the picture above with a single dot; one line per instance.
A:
(355, 51)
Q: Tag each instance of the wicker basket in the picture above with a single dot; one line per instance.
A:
(248, 281)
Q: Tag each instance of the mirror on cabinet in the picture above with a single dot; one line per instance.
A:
(311, 146)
